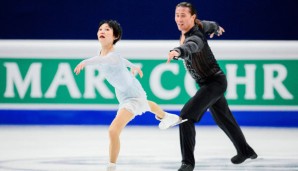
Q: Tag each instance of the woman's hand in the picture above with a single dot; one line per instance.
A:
(137, 69)
(79, 67)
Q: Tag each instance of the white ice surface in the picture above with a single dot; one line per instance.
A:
(85, 148)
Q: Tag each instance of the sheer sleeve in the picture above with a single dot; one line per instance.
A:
(191, 45)
(210, 26)
(109, 59)
(92, 60)
(127, 63)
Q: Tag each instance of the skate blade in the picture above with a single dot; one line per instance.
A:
(180, 122)
(167, 127)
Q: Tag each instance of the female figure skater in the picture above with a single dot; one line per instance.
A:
(129, 92)
(203, 67)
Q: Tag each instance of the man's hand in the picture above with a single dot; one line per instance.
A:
(218, 32)
(172, 55)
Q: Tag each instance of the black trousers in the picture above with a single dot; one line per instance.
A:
(210, 95)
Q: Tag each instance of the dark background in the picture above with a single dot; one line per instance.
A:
(145, 19)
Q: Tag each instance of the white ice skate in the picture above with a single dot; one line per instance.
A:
(169, 121)
(111, 167)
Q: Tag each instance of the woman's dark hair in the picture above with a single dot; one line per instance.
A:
(117, 30)
(192, 11)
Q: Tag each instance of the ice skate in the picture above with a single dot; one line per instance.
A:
(240, 158)
(170, 120)
(186, 167)
(111, 167)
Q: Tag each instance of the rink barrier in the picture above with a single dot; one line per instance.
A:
(38, 85)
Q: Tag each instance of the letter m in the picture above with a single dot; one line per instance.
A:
(14, 79)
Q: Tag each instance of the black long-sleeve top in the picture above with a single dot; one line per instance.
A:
(198, 57)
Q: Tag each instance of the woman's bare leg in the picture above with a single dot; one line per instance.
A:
(167, 120)
(156, 109)
(121, 120)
